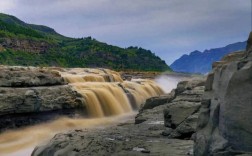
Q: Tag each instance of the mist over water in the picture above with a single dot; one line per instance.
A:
(168, 82)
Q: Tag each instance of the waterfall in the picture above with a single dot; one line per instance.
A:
(108, 100)
(105, 92)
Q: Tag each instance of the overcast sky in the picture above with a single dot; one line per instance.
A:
(169, 28)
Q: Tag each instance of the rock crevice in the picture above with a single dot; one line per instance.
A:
(224, 126)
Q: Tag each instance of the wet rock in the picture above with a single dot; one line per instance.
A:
(38, 99)
(21, 106)
(141, 143)
(31, 95)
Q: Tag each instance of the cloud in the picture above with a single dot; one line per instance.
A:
(168, 28)
(6, 5)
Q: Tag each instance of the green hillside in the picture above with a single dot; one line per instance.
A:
(36, 45)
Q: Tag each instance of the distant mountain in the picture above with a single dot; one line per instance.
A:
(37, 45)
(201, 62)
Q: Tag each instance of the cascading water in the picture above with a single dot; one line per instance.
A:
(108, 99)
(103, 99)
(105, 92)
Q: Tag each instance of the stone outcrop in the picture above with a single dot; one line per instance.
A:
(32, 95)
(25, 45)
(153, 108)
(181, 114)
(124, 140)
(180, 108)
(228, 58)
(138, 75)
(224, 126)
(28, 77)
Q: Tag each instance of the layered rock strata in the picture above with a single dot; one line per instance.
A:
(178, 111)
(224, 126)
(32, 95)
(32, 46)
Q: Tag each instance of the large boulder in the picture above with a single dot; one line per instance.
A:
(176, 113)
(37, 99)
(28, 77)
(26, 106)
(181, 114)
(31, 95)
(224, 126)
(185, 96)
(157, 101)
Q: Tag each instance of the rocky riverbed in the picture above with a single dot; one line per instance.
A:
(200, 117)
(144, 134)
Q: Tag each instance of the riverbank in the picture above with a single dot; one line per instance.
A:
(146, 133)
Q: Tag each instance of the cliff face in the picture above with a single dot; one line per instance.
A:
(33, 95)
(224, 126)
(32, 46)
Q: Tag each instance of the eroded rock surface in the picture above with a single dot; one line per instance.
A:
(125, 139)
(28, 77)
(32, 95)
(224, 126)
(144, 135)
(32, 46)
(181, 114)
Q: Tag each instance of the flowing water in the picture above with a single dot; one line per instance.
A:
(22, 142)
(108, 100)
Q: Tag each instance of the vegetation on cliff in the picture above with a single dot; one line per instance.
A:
(35, 45)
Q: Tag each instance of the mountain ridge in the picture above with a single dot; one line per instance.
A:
(201, 62)
(38, 45)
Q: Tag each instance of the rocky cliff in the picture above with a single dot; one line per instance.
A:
(28, 45)
(224, 126)
(32, 95)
